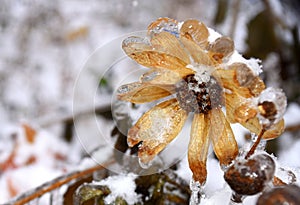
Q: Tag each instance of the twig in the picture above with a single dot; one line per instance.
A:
(256, 143)
(58, 182)
(236, 9)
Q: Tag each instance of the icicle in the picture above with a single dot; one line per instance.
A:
(145, 165)
(197, 192)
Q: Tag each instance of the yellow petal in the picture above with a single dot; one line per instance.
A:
(224, 143)
(221, 48)
(197, 53)
(198, 147)
(168, 43)
(160, 76)
(157, 128)
(195, 31)
(142, 93)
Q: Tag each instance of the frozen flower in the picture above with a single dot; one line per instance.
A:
(195, 69)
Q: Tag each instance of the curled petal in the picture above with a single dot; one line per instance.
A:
(221, 48)
(198, 147)
(157, 128)
(142, 93)
(224, 143)
(168, 43)
(195, 31)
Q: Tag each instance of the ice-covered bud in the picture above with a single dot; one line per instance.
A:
(249, 177)
(271, 106)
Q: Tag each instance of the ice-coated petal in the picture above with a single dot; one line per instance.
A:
(142, 93)
(254, 126)
(196, 52)
(157, 128)
(241, 80)
(271, 105)
(223, 140)
(198, 147)
(148, 56)
(161, 77)
(196, 31)
(163, 24)
(221, 48)
(168, 43)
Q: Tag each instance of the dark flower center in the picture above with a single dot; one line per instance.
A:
(196, 95)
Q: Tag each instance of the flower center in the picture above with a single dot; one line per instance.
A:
(199, 95)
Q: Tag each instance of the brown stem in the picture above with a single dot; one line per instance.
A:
(256, 143)
(45, 188)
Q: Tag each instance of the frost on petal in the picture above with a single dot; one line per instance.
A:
(157, 128)
(163, 24)
(168, 43)
(224, 143)
(198, 147)
(161, 77)
(271, 105)
(222, 48)
(142, 93)
(195, 31)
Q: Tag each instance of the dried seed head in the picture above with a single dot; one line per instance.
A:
(199, 95)
(281, 195)
(249, 177)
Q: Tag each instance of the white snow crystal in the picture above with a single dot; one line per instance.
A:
(122, 185)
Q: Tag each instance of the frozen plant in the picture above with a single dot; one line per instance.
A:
(200, 72)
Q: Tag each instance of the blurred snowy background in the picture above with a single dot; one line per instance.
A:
(44, 45)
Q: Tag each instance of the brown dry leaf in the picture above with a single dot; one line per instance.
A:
(30, 133)
(77, 33)
(12, 189)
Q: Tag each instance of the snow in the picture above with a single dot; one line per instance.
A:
(121, 185)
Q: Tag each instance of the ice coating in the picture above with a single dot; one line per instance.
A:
(165, 24)
(272, 105)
